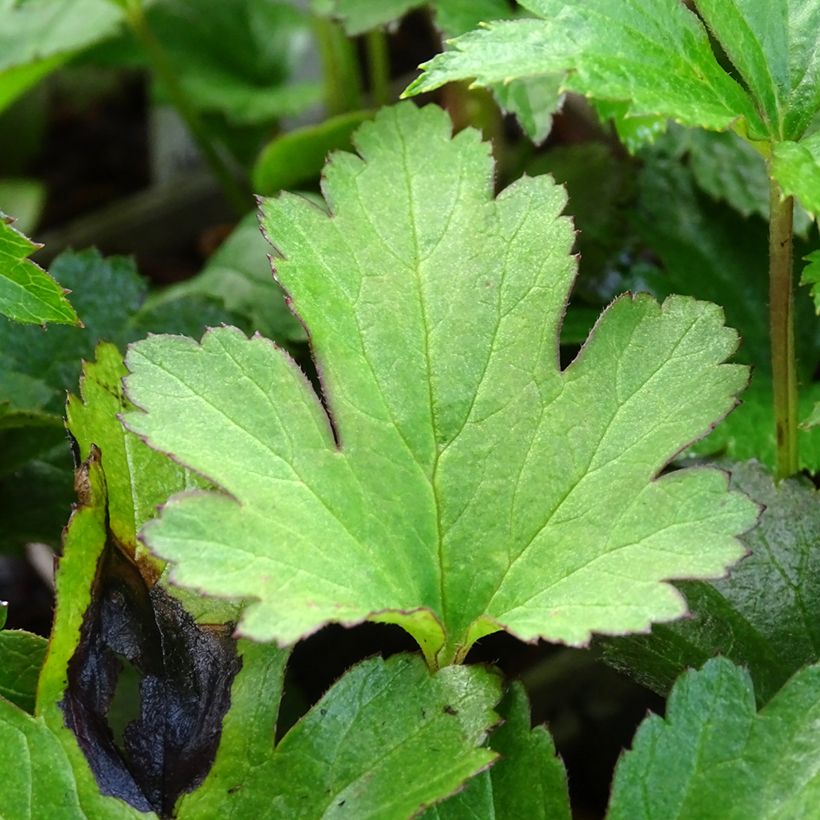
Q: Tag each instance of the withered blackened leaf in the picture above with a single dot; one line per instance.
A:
(186, 673)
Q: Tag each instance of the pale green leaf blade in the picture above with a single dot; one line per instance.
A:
(655, 56)
(38, 36)
(21, 657)
(813, 419)
(796, 166)
(773, 44)
(528, 780)
(811, 276)
(713, 755)
(27, 293)
(25, 198)
(765, 615)
(448, 415)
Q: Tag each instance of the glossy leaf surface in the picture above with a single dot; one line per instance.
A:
(447, 416)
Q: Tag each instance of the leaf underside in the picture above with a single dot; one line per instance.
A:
(459, 481)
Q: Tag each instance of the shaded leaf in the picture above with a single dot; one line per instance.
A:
(527, 780)
(714, 755)
(385, 740)
(38, 36)
(711, 253)
(239, 273)
(811, 277)
(446, 415)
(765, 615)
(796, 166)
(27, 293)
(238, 58)
(297, 157)
(21, 656)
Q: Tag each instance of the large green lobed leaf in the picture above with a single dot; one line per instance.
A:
(459, 482)
(713, 755)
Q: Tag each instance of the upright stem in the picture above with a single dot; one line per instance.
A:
(239, 199)
(781, 331)
(378, 64)
(340, 69)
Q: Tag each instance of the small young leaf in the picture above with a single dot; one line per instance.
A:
(765, 615)
(27, 293)
(654, 56)
(386, 739)
(714, 756)
(796, 166)
(527, 780)
(297, 157)
(459, 482)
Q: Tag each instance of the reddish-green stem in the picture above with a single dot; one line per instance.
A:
(781, 330)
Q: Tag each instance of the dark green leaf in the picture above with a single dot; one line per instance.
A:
(527, 781)
(386, 739)
(765, 615)
(21, 657)
(714, 756)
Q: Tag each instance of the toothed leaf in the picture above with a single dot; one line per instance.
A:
(459, 482)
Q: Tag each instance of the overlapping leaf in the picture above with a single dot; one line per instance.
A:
(27, 293)
(458, 482)
(652, 59)
(765, 615)
(713, 755)
(653, 55)
(386, 739)
(527, 781)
